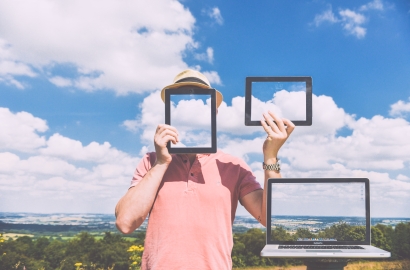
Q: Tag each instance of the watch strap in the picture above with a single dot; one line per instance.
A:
(272, 167)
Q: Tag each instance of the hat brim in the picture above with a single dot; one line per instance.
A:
(219, 96)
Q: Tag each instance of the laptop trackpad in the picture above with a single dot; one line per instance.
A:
(321, 251)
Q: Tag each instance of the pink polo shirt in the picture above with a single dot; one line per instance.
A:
(190, 224)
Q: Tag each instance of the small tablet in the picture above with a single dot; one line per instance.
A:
(192, 111)
(287, 97)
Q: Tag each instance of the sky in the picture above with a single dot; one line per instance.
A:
(325, 199)
(80, 84)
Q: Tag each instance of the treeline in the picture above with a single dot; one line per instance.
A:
(248, 245)
(83, 251)
(113, 251)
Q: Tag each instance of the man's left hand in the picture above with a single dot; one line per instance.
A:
(277, 135)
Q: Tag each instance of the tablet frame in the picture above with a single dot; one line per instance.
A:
(192, 90)
(248, 98)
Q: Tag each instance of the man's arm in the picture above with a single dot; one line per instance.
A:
(277, 134)
(134, 206)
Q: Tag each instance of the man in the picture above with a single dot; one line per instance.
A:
(191, 199)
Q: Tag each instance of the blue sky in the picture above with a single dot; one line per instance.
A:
(79, 86)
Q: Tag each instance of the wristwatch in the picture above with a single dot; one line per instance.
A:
(272, 167)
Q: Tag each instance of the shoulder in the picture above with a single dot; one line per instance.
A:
(148, 159)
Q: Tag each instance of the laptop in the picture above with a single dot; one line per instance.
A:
(319, 217)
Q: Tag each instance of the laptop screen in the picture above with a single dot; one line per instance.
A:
(318, 211)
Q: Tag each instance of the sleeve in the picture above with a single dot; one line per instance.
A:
(248, 181)
(143, 167)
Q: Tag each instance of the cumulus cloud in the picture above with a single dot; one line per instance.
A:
(375, 146)
(56, 170)
(60, 146)
(19, 131)
(400, 108)
(377, 143)
(350, 20)
(371, 147)
(57, 173)
(128, 50)
(10, 67)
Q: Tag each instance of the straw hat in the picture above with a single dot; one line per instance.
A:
(193, 78)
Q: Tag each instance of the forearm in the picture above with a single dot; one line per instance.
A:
(135, 205)
(268, 174)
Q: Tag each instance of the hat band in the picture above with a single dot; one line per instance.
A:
(192, 79)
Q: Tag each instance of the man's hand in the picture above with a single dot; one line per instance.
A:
(277, 135)
(163, 135)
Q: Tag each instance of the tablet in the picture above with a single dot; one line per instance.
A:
(287, 97)
(192, 111)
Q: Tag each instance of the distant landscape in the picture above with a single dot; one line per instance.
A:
(91, 241)
(69, 224)
(74, 223)
(319, 227)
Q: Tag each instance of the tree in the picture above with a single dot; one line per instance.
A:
(304, 233)
(54, 253)
(280, 234)
(386, 240)
(401, 241)
(38, 248)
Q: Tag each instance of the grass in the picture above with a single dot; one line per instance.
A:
(374, 265)
(14, 236)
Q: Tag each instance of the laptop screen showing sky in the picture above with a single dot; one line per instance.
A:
(318, 212)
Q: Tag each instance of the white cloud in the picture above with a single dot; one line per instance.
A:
(57, 174)
(400, 108)
(326, 16)
(67, 148)
(9, 67)
(128, 50)
(402, 177)
(215, 14)
(61, 174)
(60, 81)
(152, 114)
(213, 77)
(19, 131)
(351, 21)
(376, 145)
(376, 4)
(208, 56)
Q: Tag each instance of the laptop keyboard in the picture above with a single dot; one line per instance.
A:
(320, 247)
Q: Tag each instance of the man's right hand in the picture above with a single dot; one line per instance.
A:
(164, 134)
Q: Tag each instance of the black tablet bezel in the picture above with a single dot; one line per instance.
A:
(248, 98)
(317, 180)
(192, 90)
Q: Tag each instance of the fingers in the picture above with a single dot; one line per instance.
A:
(278, 121)
(275, 123)
(266, 127)
(164, 134)
(272, 124)
(290, 126)
(163, 127)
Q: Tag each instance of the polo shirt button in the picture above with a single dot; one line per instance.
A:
(192, 174)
